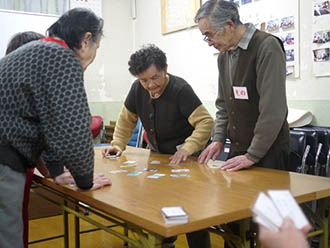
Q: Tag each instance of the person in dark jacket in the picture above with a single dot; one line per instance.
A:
(43, 108)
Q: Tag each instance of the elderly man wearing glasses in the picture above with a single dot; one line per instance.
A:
(251, 102)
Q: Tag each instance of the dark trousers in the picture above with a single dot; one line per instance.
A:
(198, 239)
(277, 157)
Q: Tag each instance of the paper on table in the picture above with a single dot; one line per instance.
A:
(215, 164)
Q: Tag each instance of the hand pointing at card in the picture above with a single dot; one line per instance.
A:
(179, 156)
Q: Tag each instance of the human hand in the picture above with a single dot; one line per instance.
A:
(99, 181)
(64, 178)
(288, 236)
(112, 150)
(237, 163)
(179, 156)
(212, 151)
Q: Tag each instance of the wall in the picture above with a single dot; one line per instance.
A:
(194, 61)
(107, 79)
(14, 22)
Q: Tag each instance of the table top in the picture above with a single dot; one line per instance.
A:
(209, 196)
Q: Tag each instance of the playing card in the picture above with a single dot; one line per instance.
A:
(130, 162)
(215, 164)
(127, 165)
(134, 173)
(179, 170)
(155, 162)
(179, 175)
(117, 171)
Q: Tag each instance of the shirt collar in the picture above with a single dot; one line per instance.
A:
(247, 36)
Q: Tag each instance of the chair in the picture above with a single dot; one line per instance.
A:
(96, 125)
(297, 150)
(312, 142)
(323, 136)
(137, 134)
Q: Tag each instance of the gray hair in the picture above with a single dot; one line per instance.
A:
(219, 13)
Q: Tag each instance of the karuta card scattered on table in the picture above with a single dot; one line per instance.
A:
(127, 165)
(111, 156)
(215, 164)
(149, 170)
(179, 170)
(180, 175)
(130, 162)
(134, 173)
(117, 171)
(153, 176)
(155, 162)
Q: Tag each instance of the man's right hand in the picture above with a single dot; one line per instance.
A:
(112, 150)
(212, 151)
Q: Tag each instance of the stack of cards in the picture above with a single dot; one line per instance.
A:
(272, 209)
(174, 215)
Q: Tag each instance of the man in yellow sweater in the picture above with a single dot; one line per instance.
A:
(174, 118)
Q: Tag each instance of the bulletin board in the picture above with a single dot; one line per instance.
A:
(178, 14)
(321, 38)
(282, 22)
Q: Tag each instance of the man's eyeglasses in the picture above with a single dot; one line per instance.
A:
(209, 37)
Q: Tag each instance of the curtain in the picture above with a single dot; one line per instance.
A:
(50, 7)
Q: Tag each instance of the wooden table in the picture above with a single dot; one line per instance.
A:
(210, 197)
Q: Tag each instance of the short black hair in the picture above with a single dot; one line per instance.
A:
(74, 24)
(22, 38)
(148, 55)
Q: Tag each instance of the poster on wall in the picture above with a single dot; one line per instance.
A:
(178, 14)
(321, 38)
(94, 5)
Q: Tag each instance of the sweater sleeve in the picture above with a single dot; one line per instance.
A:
(124, 128)
(203, 124)
(221, 118)
(65, 117)
(272, 105)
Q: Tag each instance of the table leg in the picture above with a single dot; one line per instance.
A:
(244, 226)
(66, 226)
(323, 204)
(77, 228)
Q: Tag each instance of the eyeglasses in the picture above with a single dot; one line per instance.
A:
(209, 37)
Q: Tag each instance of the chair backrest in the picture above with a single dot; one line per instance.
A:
(312, 141)
(135, 136)
(96, 125)
(297, 148)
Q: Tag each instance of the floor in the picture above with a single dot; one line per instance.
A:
(50, 226)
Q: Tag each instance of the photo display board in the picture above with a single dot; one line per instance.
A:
(281, 19)
(321, 38)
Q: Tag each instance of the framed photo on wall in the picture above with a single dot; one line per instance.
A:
(178, 14)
